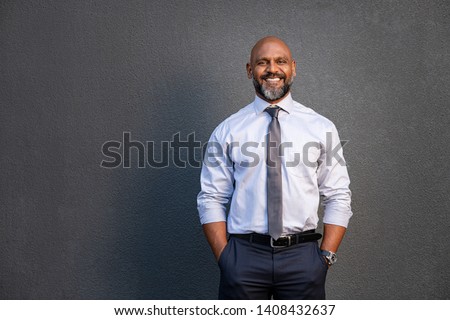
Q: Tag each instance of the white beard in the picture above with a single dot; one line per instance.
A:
(272, 94)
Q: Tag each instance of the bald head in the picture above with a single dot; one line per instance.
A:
(269, 41)
(272, 68)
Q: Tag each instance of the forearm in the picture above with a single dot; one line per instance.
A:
(332, 237)
(216, 234)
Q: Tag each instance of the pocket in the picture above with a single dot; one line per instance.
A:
(304, 163)
(321, 257)
(223, 253)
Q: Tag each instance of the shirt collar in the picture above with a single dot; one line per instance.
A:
(287, 104)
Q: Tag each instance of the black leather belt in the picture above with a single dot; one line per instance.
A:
(282, 242)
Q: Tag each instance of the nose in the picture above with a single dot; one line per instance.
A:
(272, 67)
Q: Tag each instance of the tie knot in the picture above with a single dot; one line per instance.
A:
(273, 110)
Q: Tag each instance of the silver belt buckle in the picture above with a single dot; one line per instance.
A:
(274, 246)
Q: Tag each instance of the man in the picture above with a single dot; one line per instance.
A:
(273, 159)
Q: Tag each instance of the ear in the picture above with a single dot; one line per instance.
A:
(294, 66)
(249, 71)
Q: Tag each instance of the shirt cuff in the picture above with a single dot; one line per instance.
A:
(211, 213)
(339, 218)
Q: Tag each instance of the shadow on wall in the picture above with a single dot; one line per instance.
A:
(159, 251)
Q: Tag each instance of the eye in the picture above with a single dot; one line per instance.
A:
(261, 63)
(282, 61)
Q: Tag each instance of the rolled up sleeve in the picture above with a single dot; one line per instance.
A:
(216, 181)
(333, 182)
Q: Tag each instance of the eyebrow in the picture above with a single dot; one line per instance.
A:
(276, 58)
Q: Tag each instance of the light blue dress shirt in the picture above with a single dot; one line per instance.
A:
(312, 166)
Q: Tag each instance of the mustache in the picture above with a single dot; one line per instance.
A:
(273, 75)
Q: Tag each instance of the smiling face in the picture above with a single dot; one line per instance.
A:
(272, 69)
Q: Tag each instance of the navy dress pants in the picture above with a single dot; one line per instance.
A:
(255, 271)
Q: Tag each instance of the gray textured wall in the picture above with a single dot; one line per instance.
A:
(74, 74)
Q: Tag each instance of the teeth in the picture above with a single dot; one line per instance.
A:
(272, 79)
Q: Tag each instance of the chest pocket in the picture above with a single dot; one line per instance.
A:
(303, 161)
